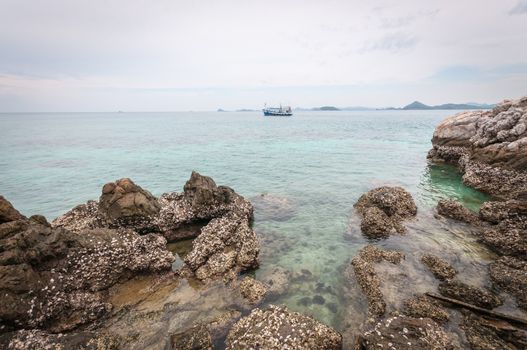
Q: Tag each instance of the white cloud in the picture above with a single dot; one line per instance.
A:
(82, 49)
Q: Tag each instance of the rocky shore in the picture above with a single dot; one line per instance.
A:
(102, 276)
(490, 149)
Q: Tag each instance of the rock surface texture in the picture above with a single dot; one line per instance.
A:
(216, 215)
(489, 147)
(278, 328)
(383, 210)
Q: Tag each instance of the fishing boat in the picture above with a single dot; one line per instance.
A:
(282, 111)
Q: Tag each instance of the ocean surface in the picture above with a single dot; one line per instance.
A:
(314, 164)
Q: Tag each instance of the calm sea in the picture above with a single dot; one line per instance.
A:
(320, 162)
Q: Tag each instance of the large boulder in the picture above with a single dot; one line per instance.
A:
(123, 198)
(225, 247)
(383, 209)
(53, 279)
(278, 328)
(489, 147)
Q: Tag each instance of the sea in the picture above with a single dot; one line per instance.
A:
(312, 166)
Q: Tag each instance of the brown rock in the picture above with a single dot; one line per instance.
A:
(383, 210)
(252, 290)
(468, 294)
(8, 212)
(441, 269)
(510, 274)
(278, 328)
(422, 306)
(454, 210)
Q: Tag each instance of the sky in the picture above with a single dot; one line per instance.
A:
(170, 55)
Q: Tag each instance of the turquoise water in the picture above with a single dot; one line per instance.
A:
(320, 162)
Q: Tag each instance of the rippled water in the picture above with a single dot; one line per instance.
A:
(318, 162)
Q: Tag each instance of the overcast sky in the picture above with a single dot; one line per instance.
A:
(134, 55)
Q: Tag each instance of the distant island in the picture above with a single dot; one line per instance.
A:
(416, 105)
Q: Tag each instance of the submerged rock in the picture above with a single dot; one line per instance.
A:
(252, 290)
(510, 274)
(195, 338)
(469, 294)
(441, 269)
(403, 332)
(278, 328)
(383, 209)
(489, 147)
(368, 279)
(273, 207)
(277, 279)
(454, 210)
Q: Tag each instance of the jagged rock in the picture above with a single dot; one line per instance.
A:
(469, 294)
(252, 290)
(510, 274)
(441, 269)
(422, 306)
(278, 328)
(383, 210)
(226, 246)
(368, 279)
(454, 210)
(489, 147)
(403, 332)
(195, 338)
(51, 277)
(123, 198)
(8, 212)
(38, 340)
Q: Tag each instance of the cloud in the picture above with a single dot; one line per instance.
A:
(392, 42)
(520, 8)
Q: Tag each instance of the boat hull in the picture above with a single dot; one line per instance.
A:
(277, 114)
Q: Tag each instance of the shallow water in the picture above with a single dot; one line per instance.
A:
(317, 162)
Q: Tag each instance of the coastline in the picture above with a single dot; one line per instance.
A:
(230, 246)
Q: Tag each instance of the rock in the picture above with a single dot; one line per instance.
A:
(8, 212)
(37, 340)
(273, 207)
(483, 333)
(510, 274)
(225, 247)
(278, 328)
(51, 278)
(422, 307)
(383, 210)
(509, 237)
(195, 338)
(454, 210)
(441, 269)
(252, 290)
(277, 279)
(489, 147)
(123, 198)
(368, 279)
(403, 332)
(175, 215)
(468, 294)
(494, 212)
